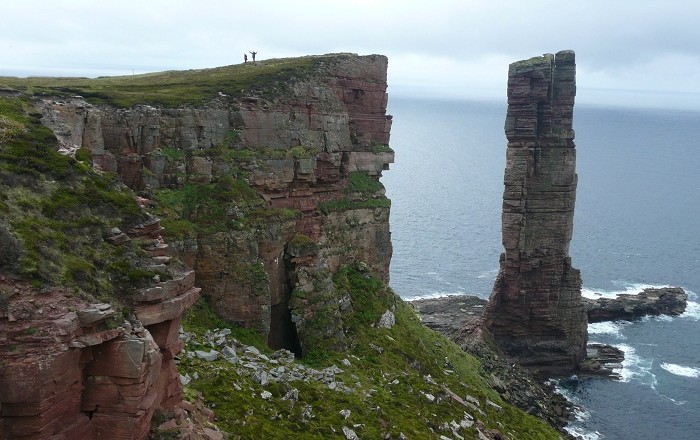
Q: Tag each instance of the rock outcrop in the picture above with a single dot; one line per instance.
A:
(535, 312)
(77, 370)
(649, 302)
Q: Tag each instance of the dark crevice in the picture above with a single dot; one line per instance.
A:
(283, 332)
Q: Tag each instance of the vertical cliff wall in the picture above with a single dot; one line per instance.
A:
(264, 192)
(535, 311)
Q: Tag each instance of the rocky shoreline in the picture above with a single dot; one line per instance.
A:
(457, 317)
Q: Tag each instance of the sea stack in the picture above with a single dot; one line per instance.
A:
(535, 311)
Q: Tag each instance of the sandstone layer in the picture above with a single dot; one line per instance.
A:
(535, 311)
(77, 370)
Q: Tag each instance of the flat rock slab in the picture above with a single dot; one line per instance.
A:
(448, 314)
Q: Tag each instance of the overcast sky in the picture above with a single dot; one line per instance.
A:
(629, 52)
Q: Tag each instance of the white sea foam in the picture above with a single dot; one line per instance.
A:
(626, 287)
(692, 311)
(680, 370)
(580, 414)
(635, 367)
(608, 328)
(662, 318)
(582, 434)
(488, 274)
(434, 295)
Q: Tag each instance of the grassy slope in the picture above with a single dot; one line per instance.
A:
(172, 88)
(55, 211)
(409, 352)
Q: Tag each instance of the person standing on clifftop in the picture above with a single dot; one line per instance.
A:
(245, 58)
(253, 53)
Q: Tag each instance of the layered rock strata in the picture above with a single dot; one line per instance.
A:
(299, 150)
(77, 370)
(535, 311)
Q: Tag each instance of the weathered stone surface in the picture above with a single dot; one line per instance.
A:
(387, 320)
(65, 374)
(449, 314)
(535, 312)
(167, 289)
(602, 360)
(94, 314)
(661, 301)
(168, 309)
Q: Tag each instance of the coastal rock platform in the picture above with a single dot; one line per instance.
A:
(649, 302)
(448, 314)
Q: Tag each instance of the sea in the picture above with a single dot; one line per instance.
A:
(636, 225)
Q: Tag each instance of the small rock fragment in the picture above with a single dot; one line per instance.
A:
(350, 434)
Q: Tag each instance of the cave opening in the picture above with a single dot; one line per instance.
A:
(283, 332)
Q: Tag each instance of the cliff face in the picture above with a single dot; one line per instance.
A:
(72, 369)
(263, 193)
(535, 311)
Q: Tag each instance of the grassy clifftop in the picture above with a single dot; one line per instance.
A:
(174, 88)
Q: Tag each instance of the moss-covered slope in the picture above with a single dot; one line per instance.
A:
(405, 379)
(55, 213)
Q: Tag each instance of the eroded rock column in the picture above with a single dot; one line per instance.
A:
(535, 312)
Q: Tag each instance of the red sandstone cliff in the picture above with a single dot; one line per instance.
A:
(76, 370)
(535, 311)
(301, 147)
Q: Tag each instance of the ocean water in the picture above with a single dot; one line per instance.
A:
(637, 224)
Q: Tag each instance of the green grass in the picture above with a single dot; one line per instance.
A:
(56, 211)
(301, 240)
(380, 148)
(268, 78)
(346, 204)
(386, 389)
(229, 204)
(361, 182)
(361, 192)
(28, 147)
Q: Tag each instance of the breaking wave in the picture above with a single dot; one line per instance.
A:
(680, 370)
(625, 288)
(636, 367)
(608, 328)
